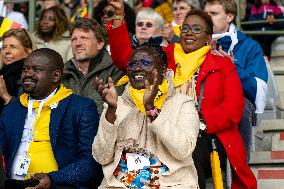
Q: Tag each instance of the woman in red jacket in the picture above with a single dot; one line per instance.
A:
(222, 102)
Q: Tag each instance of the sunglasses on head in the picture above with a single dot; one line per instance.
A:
(196, 28)
(147, 24)
(109, 13)
(144, 64)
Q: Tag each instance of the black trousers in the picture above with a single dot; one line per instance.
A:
(201, 158)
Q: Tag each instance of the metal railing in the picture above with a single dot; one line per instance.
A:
(240, 23)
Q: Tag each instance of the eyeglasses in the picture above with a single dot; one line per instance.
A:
(147, 24)
(144, 64)
(196, 28)
(109, 14)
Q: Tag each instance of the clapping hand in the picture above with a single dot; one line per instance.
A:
(150, 94)
(107, 92)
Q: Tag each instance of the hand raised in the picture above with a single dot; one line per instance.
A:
(220, 52)
(150, 94)
(117, 5)
(107, 92)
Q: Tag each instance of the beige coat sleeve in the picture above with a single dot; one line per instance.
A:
(177, 126)
(104, 142)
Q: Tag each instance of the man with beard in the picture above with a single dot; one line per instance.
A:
(91, 60)
(47, 133)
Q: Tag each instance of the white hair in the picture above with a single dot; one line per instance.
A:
(149, 13)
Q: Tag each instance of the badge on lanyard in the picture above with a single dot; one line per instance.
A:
(136, 161)
(22, 166)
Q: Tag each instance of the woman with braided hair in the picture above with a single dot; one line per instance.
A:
(143, 139)
(53, 32)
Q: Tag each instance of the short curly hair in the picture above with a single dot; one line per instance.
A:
(157, 51)
(206, 17)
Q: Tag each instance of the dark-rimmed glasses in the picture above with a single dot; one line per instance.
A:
(109, 13)
(196, 28)
(147, 24)
(143, 63)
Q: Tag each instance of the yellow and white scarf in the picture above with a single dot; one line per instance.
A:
(42, 163)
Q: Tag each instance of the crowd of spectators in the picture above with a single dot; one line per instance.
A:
(132, 97)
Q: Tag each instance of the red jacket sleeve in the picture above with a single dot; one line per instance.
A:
(170, 56)
(120, 45)
(121, 49)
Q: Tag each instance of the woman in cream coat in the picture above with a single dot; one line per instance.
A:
(146, 136)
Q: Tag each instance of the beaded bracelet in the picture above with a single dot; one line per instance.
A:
(152, 114)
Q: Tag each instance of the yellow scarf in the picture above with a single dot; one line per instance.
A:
(137, 96)
(177, 30)
(40, 152)
(122, 81)
(187, 64)
(62, 93)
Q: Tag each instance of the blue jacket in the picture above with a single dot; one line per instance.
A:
(249, 62)
(73, 126)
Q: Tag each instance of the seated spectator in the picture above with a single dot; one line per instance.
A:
(80, 10)
(153, 124)
(16, 16)
(104, 13)
(46, 4)
(50, 137)
(248, 59)
(149, 25)
(16, 46)
(223, 105)
(53, 32)
(180, 8)
(269, 11)
(90, 60)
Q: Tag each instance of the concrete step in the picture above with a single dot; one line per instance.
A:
(269, 177)
(277, 56)
(277, 65)
(277, 47)
(266, 158)
(268, 134)
(268, 168)
(279, 80)
(278, 142)
(280, 106)
(272, 125)
(270, 184)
